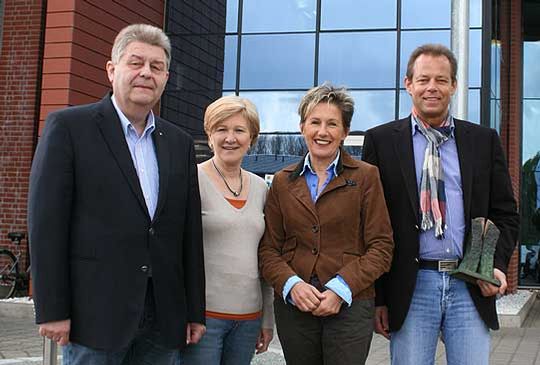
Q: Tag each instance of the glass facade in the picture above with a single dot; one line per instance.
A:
(530, 171)
(276, 50)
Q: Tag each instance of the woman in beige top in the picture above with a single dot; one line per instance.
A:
(239, 316)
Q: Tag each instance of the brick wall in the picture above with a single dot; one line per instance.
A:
(19, 92)
(511, 108)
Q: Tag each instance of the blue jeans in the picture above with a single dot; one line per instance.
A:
(441, 304)
(226, 342)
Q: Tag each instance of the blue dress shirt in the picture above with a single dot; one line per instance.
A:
(336, 284)
(144, 157)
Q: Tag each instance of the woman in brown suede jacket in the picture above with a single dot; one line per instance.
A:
(328, 238)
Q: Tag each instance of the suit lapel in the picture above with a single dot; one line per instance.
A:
(404, 151)
(301, 192)
(111, 129)
(465, 153)
(162, 154)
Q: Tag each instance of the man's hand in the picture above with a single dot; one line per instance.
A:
(194, 332)
(305, 296)
(381, 321)
(489, 289)
(57, 331)
(330, 304)
(264, 339)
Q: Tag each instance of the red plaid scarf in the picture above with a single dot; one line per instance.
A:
(432, 193)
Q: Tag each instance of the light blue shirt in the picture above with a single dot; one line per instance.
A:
(336, 284)
(143, 155)
(451, 246)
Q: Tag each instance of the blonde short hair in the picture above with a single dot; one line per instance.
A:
(227, 106)
(338, 96)
(143, 33)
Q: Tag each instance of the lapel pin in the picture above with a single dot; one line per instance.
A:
(350, 182)
(160, 133)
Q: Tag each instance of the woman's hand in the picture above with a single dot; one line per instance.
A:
(306, 297)
(264, 339)
(330, 304)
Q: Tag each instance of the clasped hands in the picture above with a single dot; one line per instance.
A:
(308, 299)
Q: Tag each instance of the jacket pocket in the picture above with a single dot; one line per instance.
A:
(288, 249)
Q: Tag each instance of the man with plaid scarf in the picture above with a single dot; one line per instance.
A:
(439, 173)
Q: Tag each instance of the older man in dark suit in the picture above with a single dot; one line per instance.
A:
(114, 219)
(438, 173)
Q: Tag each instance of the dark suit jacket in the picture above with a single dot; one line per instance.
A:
(346, 232)
(487, 192)
(91, 237)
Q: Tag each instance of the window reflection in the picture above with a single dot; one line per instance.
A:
(232, 16)
(354, 14)
(229, 67)
(366, 59)
(372, 108)
(277, 61)
(277, 109)
(530, 193)
(425, 13)
(279, 15)
(531, 69)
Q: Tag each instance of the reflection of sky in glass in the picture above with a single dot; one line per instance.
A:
(229, 67)
(277, 61)
(358, 59)
(405, 105)
(531, 69)
(232, 16)
(279, 15)
(372, 108)
(354, 14)
(277, 109)
(475, 13)
(425, 13)
(412, 39)
(436, 13)
(495, 121)
(531, 128)
(495, 69)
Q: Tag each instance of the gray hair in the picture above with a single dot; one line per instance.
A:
(143, 33)
(338, 96)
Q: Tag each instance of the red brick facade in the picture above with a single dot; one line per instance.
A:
(19, 94)
(511, 94)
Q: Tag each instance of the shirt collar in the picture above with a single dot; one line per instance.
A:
(127, 125)
(332, 166)
(414, 124)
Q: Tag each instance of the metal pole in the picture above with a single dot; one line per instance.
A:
(460, 47)
(50, 352)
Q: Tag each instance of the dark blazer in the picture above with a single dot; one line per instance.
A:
(92, 239)
(346, 232)
(487, 192)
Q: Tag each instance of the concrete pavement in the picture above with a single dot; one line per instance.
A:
(20, 344)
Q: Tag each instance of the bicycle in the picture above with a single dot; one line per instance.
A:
(10, 277)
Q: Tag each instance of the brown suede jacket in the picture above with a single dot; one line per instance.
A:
(346, 232)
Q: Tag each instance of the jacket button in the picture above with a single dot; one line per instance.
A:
(144, 268)
(151, 231)
(416, 227)
(314, 250)
(315, 228)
